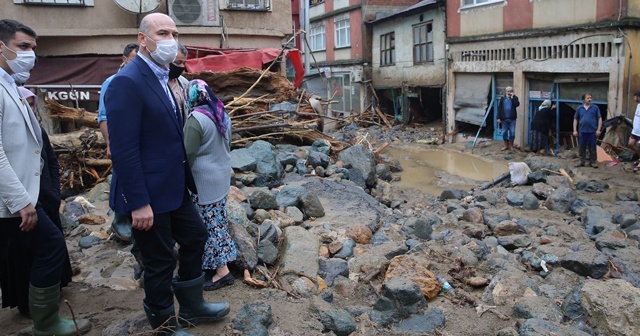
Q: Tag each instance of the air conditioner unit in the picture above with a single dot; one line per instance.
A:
(195, 12)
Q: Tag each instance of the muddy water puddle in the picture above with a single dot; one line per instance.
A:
(431, 171)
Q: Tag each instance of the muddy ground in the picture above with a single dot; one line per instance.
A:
(105, 292)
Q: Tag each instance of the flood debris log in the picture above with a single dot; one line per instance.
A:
(80, 116)
(82, 157)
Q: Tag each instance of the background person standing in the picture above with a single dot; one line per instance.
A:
(507, 116)
(587, 123)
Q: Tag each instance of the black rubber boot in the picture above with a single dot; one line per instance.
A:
(44, 306)
(164, 322)
(193, 307)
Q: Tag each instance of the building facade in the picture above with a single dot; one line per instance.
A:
(408, 62)
(80, 41)
(339, 49)
(544, 49)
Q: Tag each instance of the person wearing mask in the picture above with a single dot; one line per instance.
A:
(207, 135)
(177, 82)
(634, 137)
(507, 116)
(15, 270)
(587, 124)
(20, 214)
(152, 180)
(540, 126)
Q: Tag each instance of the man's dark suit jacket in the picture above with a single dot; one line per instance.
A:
(146, 142)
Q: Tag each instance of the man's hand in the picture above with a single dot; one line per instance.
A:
(575, 134)
(499, 121)
(598, 134)
(142, 218)
(108, 152)
(29, 218)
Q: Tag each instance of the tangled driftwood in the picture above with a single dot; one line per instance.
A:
(81, 117)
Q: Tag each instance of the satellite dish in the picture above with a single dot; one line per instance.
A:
(138, 6)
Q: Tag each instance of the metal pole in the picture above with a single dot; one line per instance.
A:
(305, 26)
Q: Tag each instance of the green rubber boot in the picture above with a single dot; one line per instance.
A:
(44, 306)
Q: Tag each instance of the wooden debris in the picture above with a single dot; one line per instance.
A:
(66, 113)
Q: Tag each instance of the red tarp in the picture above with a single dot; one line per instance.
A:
(218, 60)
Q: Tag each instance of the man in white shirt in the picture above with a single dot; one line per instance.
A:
(635, 133)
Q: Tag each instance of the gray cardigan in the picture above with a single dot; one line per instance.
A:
(209, 156)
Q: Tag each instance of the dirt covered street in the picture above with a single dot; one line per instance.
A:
(515, 261)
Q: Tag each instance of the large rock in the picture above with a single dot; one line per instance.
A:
(267, 167)
(627, 261)
(473, 215)
(508, 286)
(537, 327)
(399, 298)
(420, 227)
(247, 252)
(362, 159)
(538, 307)
(311, 206)
(424, 323)
(339, 321)
(586, 262)
(452, 194)
(254, 319)
(318, 159)
(242, 160)
(515, 198)
(612, 307)
(300, 253)
(263, 199)
(236, 213)
(290, 195)
(331, 268)
(561, 199)
(592, 217)
(414, 268)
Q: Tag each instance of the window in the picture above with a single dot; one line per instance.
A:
(79, 3)
(343, 30)
(317, 37)
(471, 3)
(423, 43)
(315, 2)
(249, 4)
(388, 49)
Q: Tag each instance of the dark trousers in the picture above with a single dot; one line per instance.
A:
(588, 142)
(48, 247)
(183, 226)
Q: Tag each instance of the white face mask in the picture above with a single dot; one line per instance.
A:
(21, 77)
(24, 61)
(166, 51)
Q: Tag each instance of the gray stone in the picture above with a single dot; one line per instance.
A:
(70, 214)
(332, 267)
(295, 214)
(572, 304)
(424, 323)
(133, 324)
(592, 186)
(99, 193)
(246, 179)
(515, 198)
(538, 307)
(542, 190)
(236, 213)
(338, 321)
(612, 307)
(627, 260)
(321, 145)
(290, 195)
(420, 227)
(267, 167)
(260, 215)
(592, 218)
(356, 176)
(242, 160)
(452, 194)
(362, 159)
(473, 215)
(537, 327)
(248, 210)
(247, 255)
(398, 299)
(508, 331)
(487, 196)
(300, 252)
(611, 240)
(530, 202)
(320, 171)
(537, 177)
(625, 220)
(347, 249)
(88, 241)
(514, 241)
(267, 252)
(627, 195)
(263, 199)
(508, 285)
(383, 171)
(301, 167)
(287, 159)
(561, 199)
(586, 262)
(493, 216)
(254, 319)
(380, 238)
(311, 206)
(317, 159)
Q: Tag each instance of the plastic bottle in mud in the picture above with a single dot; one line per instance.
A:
(446, 286)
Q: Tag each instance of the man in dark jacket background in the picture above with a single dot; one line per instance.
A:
(507, 117)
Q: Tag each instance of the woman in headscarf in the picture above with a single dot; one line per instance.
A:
(540, 126)
(207, 135)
